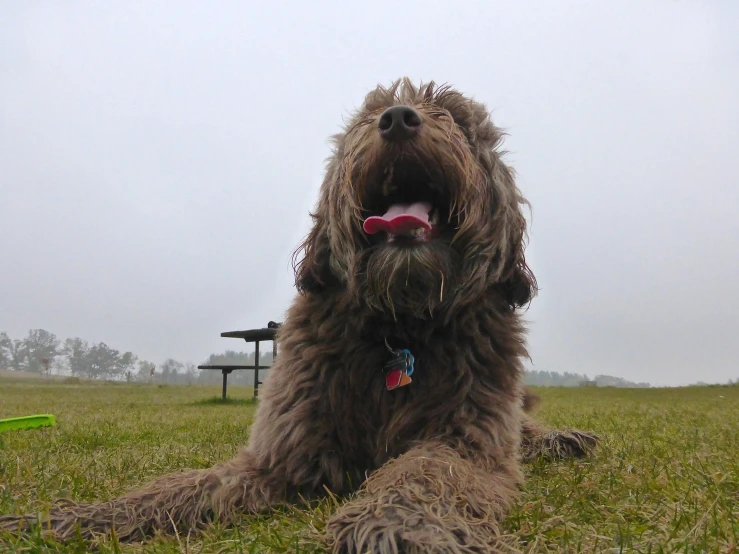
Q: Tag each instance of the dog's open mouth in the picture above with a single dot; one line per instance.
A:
(407, 204)
(410, 221)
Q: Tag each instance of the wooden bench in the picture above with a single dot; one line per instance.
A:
(255, 336)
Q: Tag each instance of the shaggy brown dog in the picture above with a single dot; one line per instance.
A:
(441, 274)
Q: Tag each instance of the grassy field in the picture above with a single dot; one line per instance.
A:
(665, 478)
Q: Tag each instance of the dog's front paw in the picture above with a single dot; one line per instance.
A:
(354, 531)
(560, 444)
(573, 443)
(369, 526)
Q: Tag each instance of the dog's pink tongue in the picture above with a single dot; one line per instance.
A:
(400, 219)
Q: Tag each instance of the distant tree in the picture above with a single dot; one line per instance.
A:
(170, 369)
(230, 357)
(102, 361)
(6, 351)
(39, 344)
(619, 382)
(566, 379)
(553, 379)
(18, 356)
(96, 361)
(125, 365)
(77, 352)
(143, 370)
(191, 373)
(59, 365)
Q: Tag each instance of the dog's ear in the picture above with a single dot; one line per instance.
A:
(313, 272)
(518, 284)
(519, 287)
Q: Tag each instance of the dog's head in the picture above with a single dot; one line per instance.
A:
(417, 212)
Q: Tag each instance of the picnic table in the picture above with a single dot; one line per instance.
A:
(252, 335)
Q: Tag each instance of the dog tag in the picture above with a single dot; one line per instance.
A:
(398, 361)
(392, 379)
(399, 369)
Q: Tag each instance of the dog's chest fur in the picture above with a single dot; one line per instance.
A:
(456, 372)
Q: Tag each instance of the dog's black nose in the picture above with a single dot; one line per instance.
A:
(399, 123)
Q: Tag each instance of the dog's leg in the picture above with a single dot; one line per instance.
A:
(254, 481)
(554, 444)
(290, 455)
(433, 498)
(539, 442)
(530, 401)
(185, 500)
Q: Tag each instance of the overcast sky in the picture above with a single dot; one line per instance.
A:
(158, 161)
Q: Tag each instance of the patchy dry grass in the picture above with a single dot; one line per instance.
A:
(665, 478)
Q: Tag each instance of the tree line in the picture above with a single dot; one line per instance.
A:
(42, 352)
(566, 379)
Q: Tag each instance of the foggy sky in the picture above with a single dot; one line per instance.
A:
(158, 162)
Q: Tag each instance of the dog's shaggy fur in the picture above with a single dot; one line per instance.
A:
(438, 460)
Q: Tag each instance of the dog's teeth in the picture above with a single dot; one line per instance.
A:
(418, 232)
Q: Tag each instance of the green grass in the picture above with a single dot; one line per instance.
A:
(665, 477)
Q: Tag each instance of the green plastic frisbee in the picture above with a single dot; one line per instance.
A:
(27, 422)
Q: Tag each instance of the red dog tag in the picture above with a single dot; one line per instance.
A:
(397, 378)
